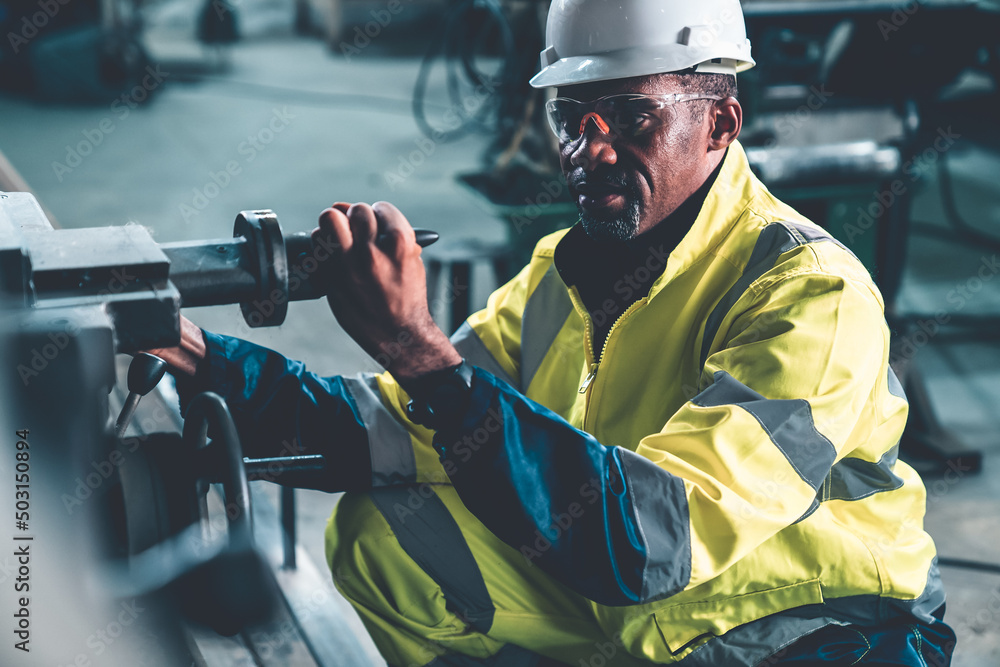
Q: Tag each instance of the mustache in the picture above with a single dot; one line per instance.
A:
(579, 179)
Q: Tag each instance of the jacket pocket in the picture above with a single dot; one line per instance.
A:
(681, 626)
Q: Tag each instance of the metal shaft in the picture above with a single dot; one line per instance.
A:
(220, 271)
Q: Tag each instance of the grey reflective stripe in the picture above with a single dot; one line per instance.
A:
(895, 388)
(661, 512)
(853, 478)
(544, 315)
(430, 536)
(774, 240)
(389, 444)
(470, 345)
(788, 422)
(814, 235)
(876, 610)
(508, 656)
(754, 642)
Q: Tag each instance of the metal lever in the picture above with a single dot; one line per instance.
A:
(144, 373)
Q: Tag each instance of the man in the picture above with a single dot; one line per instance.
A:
(671, 438)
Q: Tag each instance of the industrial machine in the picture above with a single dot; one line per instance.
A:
(121, 520)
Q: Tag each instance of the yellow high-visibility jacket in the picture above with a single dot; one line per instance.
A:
(720, 481)
(755, 375)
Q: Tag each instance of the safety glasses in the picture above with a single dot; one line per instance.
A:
(627, 115)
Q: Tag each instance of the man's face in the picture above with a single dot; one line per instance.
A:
(625, 186)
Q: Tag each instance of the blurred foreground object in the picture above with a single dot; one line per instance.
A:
(142, 547)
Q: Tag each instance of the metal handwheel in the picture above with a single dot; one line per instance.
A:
(233, 588)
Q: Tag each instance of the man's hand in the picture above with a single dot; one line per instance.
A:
(185, 357)
(378, 292)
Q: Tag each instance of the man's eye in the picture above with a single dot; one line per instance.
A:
(570, 123)
(631, 121)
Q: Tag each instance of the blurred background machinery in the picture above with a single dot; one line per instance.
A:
(841, 108)
(875, 119)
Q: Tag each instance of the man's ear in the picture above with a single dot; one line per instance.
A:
(726, 120)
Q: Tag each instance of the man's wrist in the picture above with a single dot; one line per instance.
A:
(186, 357)
(420, 356)
(441, 397)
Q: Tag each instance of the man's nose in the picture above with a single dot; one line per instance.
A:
(594, 145)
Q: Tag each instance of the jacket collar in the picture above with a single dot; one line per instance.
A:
(731, 194)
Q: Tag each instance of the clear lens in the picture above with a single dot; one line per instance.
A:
(564, 117)
(626, 115)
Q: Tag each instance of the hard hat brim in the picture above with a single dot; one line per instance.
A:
(625, 64)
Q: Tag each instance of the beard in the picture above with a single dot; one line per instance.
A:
(618, 227)
(621, 227)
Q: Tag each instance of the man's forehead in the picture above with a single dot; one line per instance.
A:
(655, 84)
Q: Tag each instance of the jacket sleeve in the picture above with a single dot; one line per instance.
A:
(281, 409)
(359, 424)
(789, 387)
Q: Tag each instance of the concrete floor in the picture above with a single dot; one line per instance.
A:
(346, 125)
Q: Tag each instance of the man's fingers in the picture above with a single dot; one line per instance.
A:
(364, 225)
(393, 225)
(334, 224)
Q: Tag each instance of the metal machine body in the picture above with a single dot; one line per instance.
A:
(119, 515)
(143, 285)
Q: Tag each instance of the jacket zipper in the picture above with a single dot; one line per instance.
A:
(588, 337)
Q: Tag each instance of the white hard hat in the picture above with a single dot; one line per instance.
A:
(597, 40)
